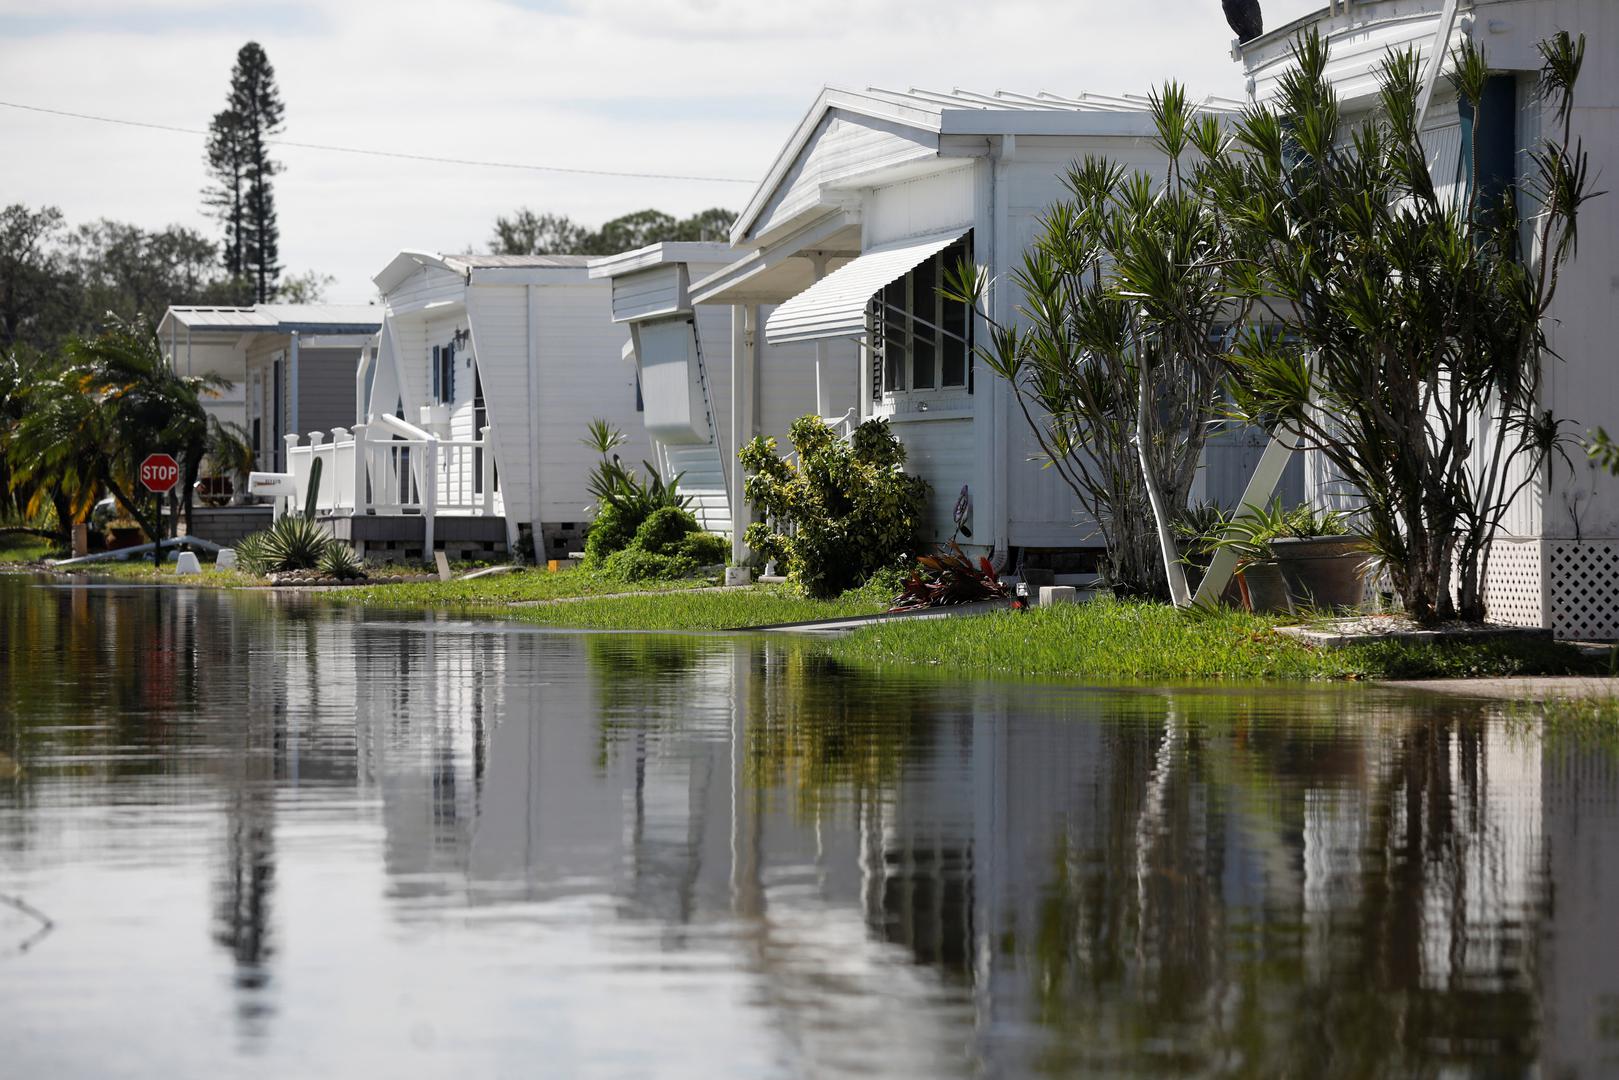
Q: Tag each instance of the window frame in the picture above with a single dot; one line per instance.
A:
(885, 311)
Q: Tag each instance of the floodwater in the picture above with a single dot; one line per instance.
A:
(276, 839)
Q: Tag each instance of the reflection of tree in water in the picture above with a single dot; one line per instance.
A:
(1176, 929)
(830, 735)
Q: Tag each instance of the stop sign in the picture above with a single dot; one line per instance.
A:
(160, 472)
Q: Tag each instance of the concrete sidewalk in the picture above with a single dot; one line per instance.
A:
(1525, 688)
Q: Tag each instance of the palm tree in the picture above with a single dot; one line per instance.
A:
(113, 401)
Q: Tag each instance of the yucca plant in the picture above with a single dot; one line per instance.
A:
(295, 543)
(340, 561)
(253, 555)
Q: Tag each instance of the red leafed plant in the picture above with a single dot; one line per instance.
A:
(949, 577)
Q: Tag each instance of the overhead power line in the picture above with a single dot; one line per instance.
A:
(388, 153)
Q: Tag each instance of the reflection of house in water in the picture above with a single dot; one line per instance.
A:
(1027, 879)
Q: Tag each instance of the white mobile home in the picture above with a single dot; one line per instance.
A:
(683, 357)
(290, 366)
(842, 246)
(1558, 565)
(472, 412)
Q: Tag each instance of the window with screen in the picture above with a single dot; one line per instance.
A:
(921, 341)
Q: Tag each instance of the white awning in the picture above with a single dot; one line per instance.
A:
(835, 306)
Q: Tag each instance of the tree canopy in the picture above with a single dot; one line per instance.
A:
(528, 233)
(241, 194)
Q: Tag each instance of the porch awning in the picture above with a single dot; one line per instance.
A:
(835, 306)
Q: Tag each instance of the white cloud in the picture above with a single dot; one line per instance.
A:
(709, 87)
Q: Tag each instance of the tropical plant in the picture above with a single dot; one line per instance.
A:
(950, 577)
(1604, 451)
(253, 554)
(840, 511)
(1250, 533)
(90, 423)
(1410, 343)
(340, 561)
(623, 500)
(1117, 361)
(295, 542)
(230, 453)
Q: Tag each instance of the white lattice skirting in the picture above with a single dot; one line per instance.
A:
(1572, 586)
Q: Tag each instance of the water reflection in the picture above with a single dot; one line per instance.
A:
(419, 838)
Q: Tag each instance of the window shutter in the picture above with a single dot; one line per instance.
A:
(437, 372)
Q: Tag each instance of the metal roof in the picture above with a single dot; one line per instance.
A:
(966, 112)
(939, 101)
(485, 262)
(277, 318)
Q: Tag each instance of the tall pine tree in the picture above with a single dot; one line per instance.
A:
(242, 194)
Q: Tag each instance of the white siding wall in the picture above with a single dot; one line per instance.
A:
(1042, 510)
(583, 376)
(500, 333)
(918, 207)
(842, 147)
(943, 453)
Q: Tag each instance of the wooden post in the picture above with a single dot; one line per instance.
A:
(429, 495)
(488, 473)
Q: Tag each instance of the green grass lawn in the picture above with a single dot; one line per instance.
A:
(1111, 641)
(593, 600)
(25, 548)
(528, 585)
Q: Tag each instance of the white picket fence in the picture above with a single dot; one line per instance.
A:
(392, 467)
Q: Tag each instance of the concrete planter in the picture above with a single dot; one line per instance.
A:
(1323, 572)
(1267, 589)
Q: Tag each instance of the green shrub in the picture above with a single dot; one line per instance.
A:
(623, 499)
(612, 531)
(705, 548)
(340, 561)
(633, 564)
(295, 543)
(663, 530)
(842, 511)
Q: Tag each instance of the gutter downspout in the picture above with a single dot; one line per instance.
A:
(533, 417)
(999, 428)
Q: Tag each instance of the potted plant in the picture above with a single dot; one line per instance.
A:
(1259, 579)
(1325, 566)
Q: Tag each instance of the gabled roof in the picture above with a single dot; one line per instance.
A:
(961, 112)
(274, 319)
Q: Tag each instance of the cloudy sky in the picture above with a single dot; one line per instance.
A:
(699, 87)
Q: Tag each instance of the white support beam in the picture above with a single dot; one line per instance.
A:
(1267, 474)
(1436, 58)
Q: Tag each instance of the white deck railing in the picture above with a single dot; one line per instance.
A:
(391, 467)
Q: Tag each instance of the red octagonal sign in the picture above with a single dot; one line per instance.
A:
(160, 472)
